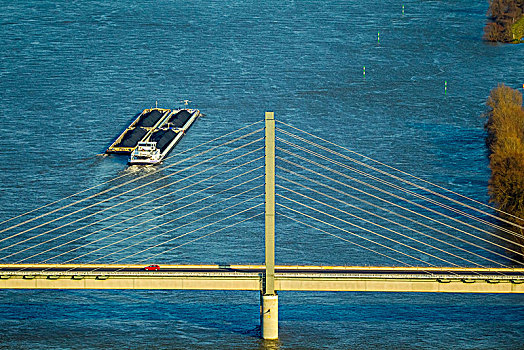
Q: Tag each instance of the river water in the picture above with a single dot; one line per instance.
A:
(72, 75)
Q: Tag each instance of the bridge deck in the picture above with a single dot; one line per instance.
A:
(249, 277)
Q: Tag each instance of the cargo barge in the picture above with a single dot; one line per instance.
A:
(153, 134)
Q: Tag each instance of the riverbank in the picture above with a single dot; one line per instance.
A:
(505, 141)
(506, 21)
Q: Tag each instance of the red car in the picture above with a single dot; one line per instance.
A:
(152, 268)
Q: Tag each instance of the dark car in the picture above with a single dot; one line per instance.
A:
(152, 268)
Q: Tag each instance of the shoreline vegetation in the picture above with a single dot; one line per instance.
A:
(505, 142)
(506, 21)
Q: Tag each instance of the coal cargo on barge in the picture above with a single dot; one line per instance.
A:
(153, 134)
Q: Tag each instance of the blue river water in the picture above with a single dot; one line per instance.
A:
(73, 74)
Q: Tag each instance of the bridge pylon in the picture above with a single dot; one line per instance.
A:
(269, 297)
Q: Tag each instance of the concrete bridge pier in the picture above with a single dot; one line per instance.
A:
(269, 316)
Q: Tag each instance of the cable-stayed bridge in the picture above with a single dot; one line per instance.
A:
(343, 222)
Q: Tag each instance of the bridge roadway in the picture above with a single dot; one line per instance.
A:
(250, 277)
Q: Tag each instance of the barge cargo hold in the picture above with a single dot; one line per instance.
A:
(153, 134)
(138, 130)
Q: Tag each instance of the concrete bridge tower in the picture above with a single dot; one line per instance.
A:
(269, 297)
